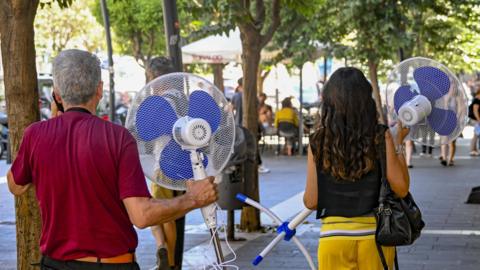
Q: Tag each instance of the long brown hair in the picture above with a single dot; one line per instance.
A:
(345, 140)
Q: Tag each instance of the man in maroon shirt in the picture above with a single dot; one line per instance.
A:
(88, 179)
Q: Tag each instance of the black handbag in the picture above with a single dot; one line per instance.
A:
(399, 220)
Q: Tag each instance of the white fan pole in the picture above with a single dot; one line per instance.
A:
(209, 212)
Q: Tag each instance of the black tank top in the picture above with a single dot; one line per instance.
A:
(347, 198)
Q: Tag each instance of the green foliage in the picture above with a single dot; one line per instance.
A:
(138, 27)
(449, 33)
(362, 29)
(297, 39)
(57, 28)
(61, 3)
(374, 29)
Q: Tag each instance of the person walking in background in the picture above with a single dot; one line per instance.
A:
(343, 174)
(427, 138)
(286, 122)
(168, 236)
(451, 148)
(265, 112)
(427, 151)
(264, 124)
(237, 103)
(474, 115)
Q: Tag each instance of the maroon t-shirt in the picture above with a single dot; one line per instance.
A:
(82, 167)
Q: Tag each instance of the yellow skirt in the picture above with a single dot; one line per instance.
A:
(159, 192)
(349, 244)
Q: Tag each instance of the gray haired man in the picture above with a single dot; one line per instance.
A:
(88, 179)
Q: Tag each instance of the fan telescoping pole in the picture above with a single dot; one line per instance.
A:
(209, 212)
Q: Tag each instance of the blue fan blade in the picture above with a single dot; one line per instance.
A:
(175, 163)
(402, 95)
(202, 105)
(432, 82)
(155, 117)
(442, 121)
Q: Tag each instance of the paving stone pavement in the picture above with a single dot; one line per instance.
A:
(451, 240)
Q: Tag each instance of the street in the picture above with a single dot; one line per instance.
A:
(451, 239)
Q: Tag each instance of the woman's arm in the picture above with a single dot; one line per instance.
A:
(397, 171)
(476, 112)
(310, 197)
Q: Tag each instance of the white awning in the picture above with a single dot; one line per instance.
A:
(215, 49)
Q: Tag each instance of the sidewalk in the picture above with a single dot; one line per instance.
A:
(451, 239)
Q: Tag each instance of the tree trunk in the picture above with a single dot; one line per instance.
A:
(250, 219)
(372, 67)
(260, 79)
(218, 76)
(20, 77)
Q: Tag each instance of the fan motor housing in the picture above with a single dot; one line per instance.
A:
(191, 132)
(415, 110)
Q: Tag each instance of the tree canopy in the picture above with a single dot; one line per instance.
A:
(137, 25)
(58, 28)
(360, 30)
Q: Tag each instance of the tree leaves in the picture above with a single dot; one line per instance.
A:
(137, 26)
(57, 29)
(61, 3)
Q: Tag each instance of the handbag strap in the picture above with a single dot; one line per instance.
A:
(382, 256)
(384, 261)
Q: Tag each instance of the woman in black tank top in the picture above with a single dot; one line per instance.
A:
(343, 176)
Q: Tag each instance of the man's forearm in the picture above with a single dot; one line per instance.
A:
(160, 211)
(144, 211)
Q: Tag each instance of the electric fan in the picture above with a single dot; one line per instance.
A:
(428, 98)
(184, 130)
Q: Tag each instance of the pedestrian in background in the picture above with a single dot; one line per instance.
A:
(237, 103)
(286, 121)
(447, 154)
(474, 115)
(265, 120)
(169, 235)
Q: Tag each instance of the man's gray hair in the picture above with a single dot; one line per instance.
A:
(76, 75)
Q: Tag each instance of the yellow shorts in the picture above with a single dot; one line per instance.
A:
(337, 250)
(159, 192)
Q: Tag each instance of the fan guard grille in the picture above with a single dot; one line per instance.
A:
(455, 100)
(176, 89)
